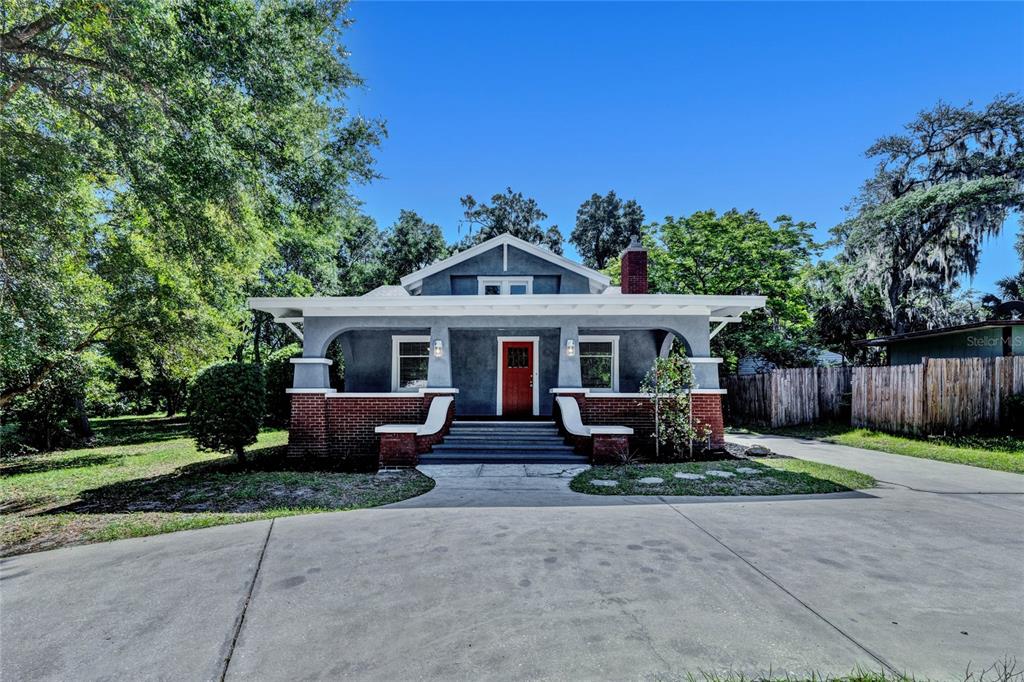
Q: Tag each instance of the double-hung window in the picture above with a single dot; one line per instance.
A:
(599, 362)
(505, 286)
(410, 356)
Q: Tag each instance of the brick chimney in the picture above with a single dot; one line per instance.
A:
(634, 268)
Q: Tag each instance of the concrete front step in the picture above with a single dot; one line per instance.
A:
(458, 437)
(499, 458)
(498, 422)
(502, 447)
(498, 427)
(502, 442)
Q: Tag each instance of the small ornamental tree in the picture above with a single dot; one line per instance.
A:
(228, 402)
(669, 382)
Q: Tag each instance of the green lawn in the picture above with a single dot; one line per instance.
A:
(145, 476)
(1003, 453)
(777, 476)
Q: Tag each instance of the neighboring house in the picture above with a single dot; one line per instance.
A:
(755, 364)
(503, 327)
(986, 339)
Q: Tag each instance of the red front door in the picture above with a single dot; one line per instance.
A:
(517, 378)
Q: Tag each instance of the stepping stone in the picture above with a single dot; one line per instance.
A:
(651, 480)
(688, 476)
(604, 483)
(748, 470)
(719, 473)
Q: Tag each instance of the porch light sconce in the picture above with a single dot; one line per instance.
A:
(438, 349)
(570, 347)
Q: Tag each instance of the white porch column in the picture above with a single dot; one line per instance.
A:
(569, 367)
(439, 369)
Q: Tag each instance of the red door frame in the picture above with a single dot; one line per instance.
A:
(516, 396)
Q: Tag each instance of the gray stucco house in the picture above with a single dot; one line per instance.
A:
(502, 328)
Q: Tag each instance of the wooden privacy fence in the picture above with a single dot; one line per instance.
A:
(937, 396)
(785, 397)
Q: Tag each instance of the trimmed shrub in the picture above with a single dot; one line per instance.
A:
(278, 373)
(227, 403)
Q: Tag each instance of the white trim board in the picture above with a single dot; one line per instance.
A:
(334, 393)
(604, 394)
(536, 304)
(505, 283)
(395, 341)
(536, 371)
(615, 359)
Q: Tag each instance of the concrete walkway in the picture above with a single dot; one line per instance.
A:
(506, 574)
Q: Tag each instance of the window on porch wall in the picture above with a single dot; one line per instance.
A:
(411, 356)
(599, 363)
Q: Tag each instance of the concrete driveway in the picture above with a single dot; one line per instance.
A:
(506, 574)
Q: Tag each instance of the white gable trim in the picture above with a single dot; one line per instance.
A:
(597, 281)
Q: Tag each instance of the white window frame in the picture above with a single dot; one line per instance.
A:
(535, 340)
(395, 374)
(615, 359)
(505, 283)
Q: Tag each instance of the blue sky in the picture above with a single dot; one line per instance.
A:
(681, 106)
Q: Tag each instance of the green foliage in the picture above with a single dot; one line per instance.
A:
(227, 404)
(411, 244)
(1012, 288)
(604, 226)
(741, 254)
(843, 312)
(180, 148)
(938, 191)
(669, 381)
(510, 212)
(278, 371)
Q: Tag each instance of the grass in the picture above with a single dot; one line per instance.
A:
(145, 477)
(778, 476)
(999, 452)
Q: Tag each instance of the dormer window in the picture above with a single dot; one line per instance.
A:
(505, 286)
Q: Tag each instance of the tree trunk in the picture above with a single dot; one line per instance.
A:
(172, 400)
(256, 333)
(82, 426)
(240, 454)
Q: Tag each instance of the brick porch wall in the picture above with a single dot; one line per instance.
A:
(351, 421)
(638, 414)
(344, 427)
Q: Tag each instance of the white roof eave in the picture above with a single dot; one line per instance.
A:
(546, 304)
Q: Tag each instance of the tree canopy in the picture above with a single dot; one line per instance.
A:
(917, 225)
(739, 253)
(179, 148)
(604, 226)
(411, 244)
(510, 212)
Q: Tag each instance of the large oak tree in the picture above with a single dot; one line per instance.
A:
(156, 156)
(950, 180)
